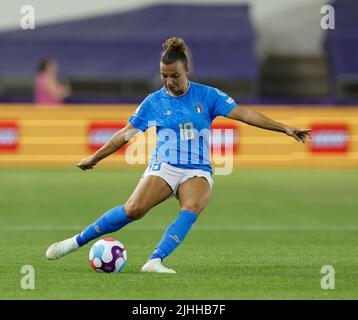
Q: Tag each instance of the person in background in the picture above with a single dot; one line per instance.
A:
(47, 88)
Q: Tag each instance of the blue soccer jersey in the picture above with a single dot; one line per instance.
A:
(183, 124)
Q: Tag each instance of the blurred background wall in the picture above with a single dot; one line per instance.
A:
(271, 55)
(283, 26)
(284, 41)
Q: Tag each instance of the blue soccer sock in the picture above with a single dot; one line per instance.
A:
(113, 220)
(174, 235)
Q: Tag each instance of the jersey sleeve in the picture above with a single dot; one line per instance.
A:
(222, 104)
(142, 116)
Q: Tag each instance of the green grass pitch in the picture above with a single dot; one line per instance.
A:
(264, 235)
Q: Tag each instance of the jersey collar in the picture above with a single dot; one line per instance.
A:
(183, 94)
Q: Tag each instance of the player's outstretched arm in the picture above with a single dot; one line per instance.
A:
(257, 119)
(119, 139)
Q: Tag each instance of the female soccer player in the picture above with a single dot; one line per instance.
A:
(182, 112)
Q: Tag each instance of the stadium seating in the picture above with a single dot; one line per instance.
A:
(126, 46)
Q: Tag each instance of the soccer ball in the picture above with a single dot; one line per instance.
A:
(108, 255)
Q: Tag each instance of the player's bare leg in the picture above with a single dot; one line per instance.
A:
(194, 194)
(149, 192)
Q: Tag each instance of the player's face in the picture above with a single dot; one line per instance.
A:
(174, 77)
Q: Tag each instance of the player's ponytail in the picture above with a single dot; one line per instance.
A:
(175, 49)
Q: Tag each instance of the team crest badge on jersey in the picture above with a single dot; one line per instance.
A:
(198, 108)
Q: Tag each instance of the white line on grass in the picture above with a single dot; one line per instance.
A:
(255, 228)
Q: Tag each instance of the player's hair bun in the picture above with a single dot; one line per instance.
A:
(175, 49)
(174, 44)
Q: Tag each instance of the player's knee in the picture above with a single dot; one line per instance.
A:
(193, 207)
(135, 210)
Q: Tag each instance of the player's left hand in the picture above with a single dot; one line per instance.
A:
(301, 135)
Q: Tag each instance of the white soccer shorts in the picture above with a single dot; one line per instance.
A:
(175, 176)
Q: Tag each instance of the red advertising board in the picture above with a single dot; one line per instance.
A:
(224, 138)
(100, 132)
(9, 136)
(330, 138)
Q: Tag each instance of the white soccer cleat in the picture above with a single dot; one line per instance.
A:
(59, 249)
(155, 265)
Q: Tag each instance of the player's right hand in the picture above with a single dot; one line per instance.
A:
(87, 163)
